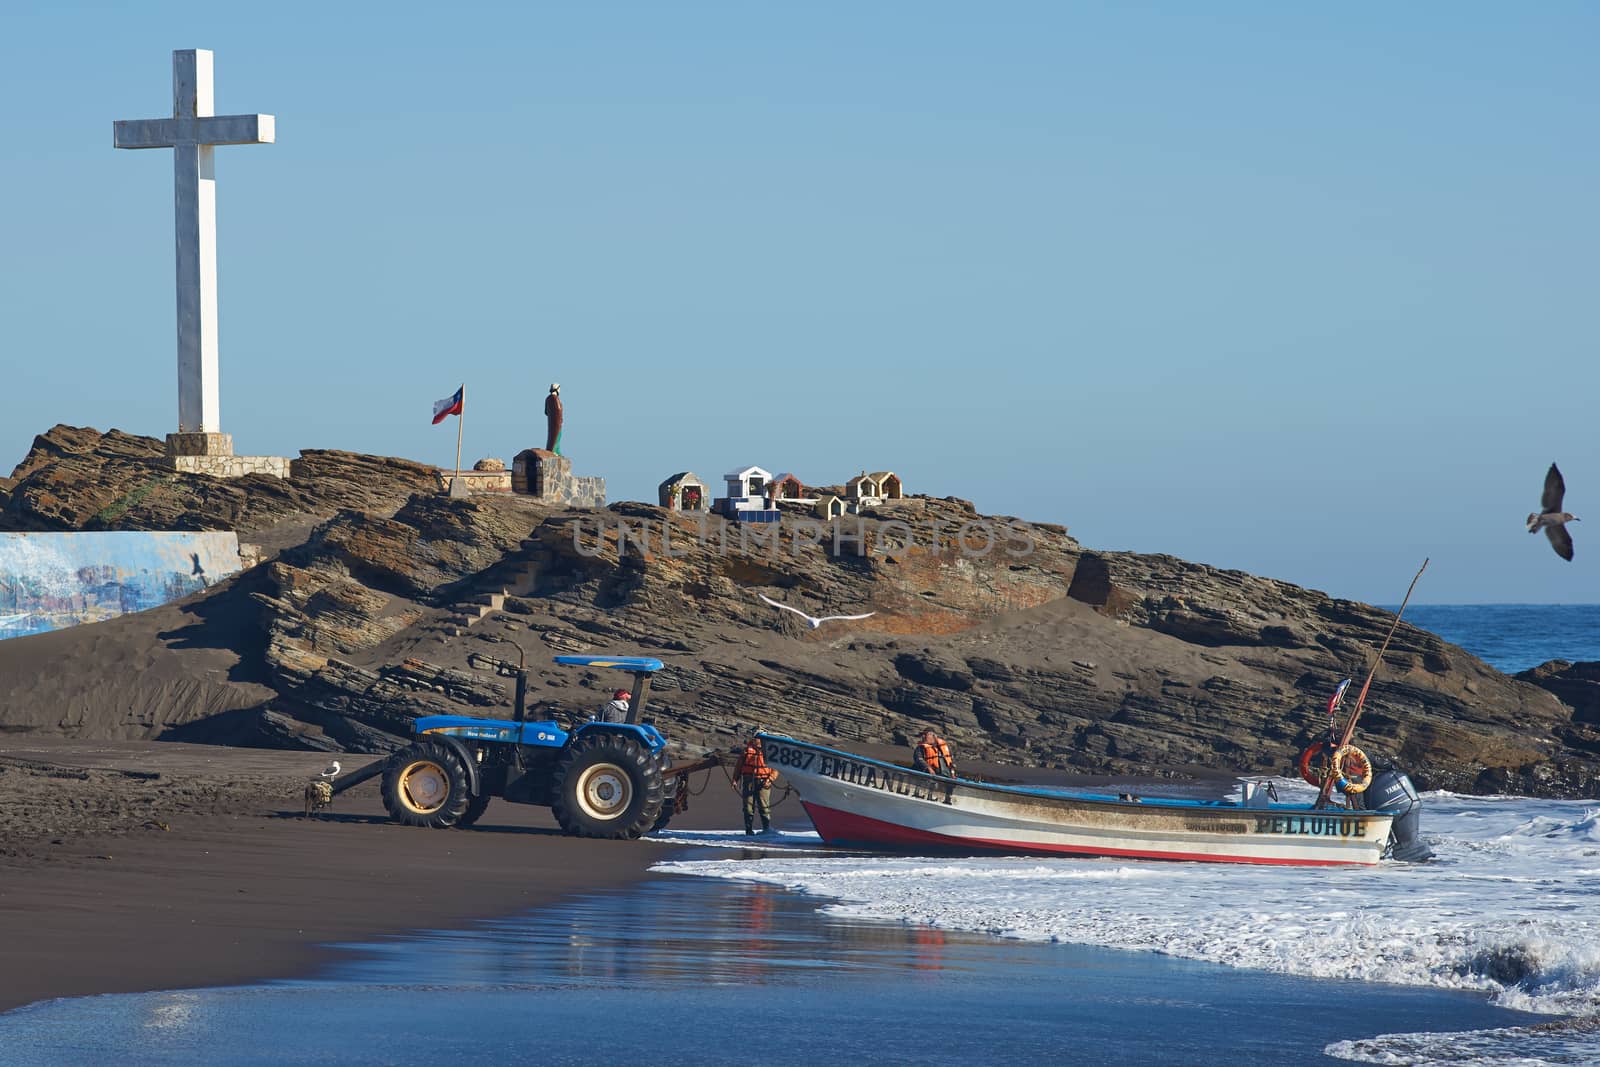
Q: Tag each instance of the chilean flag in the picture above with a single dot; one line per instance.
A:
(442, 409)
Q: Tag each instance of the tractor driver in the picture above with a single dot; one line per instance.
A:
(754, 781)
(616, 709)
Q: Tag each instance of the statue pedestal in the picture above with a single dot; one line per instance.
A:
(547, 476)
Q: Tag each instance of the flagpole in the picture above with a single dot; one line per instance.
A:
(460, 418)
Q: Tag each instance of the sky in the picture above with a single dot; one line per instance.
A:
(1304, 290)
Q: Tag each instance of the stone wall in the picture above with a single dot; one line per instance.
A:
(231, 466)
(586, 492)
(479, 481)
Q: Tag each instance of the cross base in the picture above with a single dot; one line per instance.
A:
(199, 444)
(211, 454)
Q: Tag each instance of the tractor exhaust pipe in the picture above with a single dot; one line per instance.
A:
(520, 714)
(641, 686)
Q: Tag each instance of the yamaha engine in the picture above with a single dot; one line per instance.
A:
(1392, 791)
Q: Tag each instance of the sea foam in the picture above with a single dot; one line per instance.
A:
(1510, 906)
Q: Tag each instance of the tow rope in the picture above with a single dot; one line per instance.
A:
(733, 784)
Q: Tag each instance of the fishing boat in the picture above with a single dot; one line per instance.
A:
(859, 802)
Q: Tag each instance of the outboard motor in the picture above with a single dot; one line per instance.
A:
(1391, 790)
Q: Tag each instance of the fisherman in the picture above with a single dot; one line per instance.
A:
(616, 709)
(754, 781)
(932, 755)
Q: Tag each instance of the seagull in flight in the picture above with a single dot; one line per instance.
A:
(331, 770)
(1550, 518)
(812, 620)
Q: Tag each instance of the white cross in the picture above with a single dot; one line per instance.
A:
(191, 132)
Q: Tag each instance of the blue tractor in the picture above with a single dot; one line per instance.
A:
(600, 779)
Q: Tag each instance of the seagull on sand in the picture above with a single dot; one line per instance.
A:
(331, 770)
(812, 620)
(1550, 518)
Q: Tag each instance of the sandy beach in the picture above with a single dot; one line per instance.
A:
(129, 866)
(136, 865)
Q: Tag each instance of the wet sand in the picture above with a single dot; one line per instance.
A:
(131, 866)
(696, 970)
(128, 866)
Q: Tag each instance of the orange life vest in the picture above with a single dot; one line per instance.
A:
(936, 755)
(754, 765)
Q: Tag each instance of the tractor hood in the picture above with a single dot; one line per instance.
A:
(516, 733)
(544, 734)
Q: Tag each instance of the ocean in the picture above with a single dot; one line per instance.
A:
(1514, 637)
(1488, 955)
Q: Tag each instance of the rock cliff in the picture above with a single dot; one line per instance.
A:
(387, 601)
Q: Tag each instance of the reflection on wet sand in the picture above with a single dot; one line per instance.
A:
(658, 973)
(675, 932)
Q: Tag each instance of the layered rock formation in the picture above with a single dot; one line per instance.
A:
(80, 479)
(1013, 640)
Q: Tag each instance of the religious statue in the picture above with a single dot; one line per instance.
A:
(552, 415)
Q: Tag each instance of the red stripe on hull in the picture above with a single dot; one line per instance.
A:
(844, 828)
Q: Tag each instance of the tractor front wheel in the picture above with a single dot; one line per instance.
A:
(607, 785)
(426, 785)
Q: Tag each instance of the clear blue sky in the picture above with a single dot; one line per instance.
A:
(1307, 290)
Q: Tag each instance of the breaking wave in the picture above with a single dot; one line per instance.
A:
(1510, 907)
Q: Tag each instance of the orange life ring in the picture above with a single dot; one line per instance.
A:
(1352, 770)
(1313, 751)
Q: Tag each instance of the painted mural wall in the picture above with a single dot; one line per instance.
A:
(49, 581)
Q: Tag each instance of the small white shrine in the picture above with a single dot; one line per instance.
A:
(747, 496)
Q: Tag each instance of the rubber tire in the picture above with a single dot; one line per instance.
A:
(669, 805)
(635, 761)
(475, 809)
(457, 798)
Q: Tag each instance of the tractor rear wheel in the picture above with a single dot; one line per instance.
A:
(426, 785)
(607, 785)
(669, 804)
(475, 809)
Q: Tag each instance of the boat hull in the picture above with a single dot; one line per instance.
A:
(858, 802)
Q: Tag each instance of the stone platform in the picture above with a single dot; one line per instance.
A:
(211, 454)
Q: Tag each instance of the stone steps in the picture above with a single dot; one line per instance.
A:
(514, 576)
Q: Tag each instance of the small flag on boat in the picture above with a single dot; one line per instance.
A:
(1338, 696)
(451, 405)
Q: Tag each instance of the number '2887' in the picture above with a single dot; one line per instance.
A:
(790, 757)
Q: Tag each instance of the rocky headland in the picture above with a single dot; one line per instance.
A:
(378, 599)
